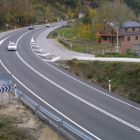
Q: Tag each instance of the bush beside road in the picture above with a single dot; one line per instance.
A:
(18, 122)
(125, 77)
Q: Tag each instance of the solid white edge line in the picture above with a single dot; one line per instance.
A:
(9, 36)
(50, 105)
(46, 102)
(94, 88)
(86, 84)
(77, 97)
(105, 112)
(43, 100)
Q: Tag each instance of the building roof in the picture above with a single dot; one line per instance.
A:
(128, 24)
(131, 24)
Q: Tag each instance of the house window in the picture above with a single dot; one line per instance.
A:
(126, 29)
(128, 38)
(133, 29)
(136, 37)
(105, 38)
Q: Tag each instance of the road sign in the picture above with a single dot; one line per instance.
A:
(6, 88)
(37, 20)
(5, 79)
(7, 26)
(17, 20)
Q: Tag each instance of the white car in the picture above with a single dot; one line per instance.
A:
(47, 25)
(12, 46)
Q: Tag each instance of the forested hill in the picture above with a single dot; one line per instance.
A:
(27, 11)
(134, 4)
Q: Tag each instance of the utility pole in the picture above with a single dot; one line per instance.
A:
(117, 35)
(117, 39)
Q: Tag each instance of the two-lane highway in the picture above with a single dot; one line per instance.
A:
(94, 110)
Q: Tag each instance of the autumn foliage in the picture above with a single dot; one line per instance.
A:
(84, 31)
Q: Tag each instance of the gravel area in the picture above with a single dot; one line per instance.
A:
(26, 119)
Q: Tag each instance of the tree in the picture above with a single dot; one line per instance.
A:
(71, 3)
(84, 31)
(87, 20)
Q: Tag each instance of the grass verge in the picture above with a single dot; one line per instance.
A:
(125, 77)
(10, 131)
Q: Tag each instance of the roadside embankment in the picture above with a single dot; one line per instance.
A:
(125, 77)
(18, 122)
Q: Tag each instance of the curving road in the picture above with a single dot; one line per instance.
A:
(97, 112)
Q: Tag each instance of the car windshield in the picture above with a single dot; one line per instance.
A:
(11, 44)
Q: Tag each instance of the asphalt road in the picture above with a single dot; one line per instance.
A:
(88, 107)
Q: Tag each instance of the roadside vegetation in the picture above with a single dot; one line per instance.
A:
(10, 131)
(68, 33)
(129, 54)
(25, 12)
(81, 34)
(125, 77)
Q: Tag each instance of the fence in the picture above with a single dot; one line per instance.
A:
(59, 121)
(63, 41)
(104, 50)
(87, 46)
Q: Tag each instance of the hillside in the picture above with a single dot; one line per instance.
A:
(134, 4)
(25, 12)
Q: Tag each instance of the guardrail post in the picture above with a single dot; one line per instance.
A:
(110, 85)
(59, 123)
(36, 107)
(103, 51)
(2, 99)
(9, 92)
(20, 94)
(15, 91)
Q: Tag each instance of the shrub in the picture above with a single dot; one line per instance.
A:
(1, 123)
(89, 75)
(54, 34)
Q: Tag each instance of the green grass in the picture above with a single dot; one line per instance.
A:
(78, 44)
(10, 131)
(125, 77)
(117, 55)
(66, 32)
(69, 33)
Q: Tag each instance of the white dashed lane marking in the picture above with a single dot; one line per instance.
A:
(46, 60)
(46, 54)
(56, 58)
(39, 49)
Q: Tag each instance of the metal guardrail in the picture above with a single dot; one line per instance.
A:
(65, 42)
(59, 121)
